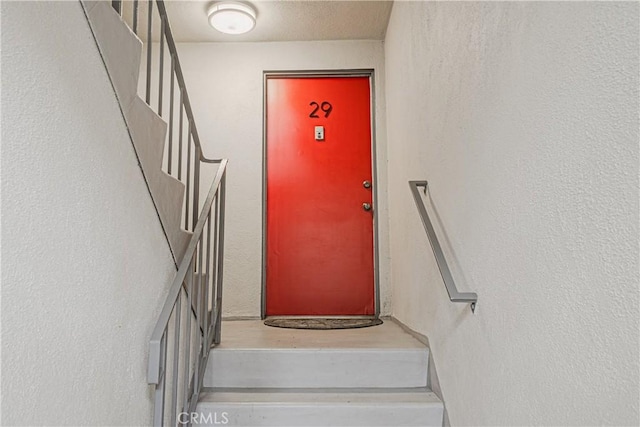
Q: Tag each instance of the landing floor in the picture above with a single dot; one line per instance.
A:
(253, 334)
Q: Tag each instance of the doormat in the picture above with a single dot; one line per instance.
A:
(319, 323)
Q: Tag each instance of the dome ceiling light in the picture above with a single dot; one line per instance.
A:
(232, 17)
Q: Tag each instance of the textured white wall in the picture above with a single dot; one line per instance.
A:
(524, 119)
(225, 84)
(85, 264)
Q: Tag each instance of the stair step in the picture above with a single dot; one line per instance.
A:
(320, 407)
(121, 50)
(255, 356)
(318, 367)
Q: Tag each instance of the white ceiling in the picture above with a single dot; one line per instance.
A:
(278, 20)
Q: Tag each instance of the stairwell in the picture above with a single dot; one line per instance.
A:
(255, 375)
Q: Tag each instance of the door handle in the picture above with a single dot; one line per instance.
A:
(366, 206)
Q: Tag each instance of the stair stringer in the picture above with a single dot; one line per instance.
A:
(121, 52)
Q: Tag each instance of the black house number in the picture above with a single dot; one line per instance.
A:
(326, 107)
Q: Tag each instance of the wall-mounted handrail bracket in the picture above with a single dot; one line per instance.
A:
(449, 283)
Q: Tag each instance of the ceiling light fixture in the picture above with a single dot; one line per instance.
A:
(232, 17)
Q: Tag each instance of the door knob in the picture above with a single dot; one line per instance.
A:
(366, 206)
(366, 184)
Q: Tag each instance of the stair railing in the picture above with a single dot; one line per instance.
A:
(168, 98)
(189, 323)
(449, 283)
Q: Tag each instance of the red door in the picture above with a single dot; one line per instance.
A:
(319, 254)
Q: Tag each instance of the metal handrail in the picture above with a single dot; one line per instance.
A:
(191, 318)
(449, 283)
(199, 280)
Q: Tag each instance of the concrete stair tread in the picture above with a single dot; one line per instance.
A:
(257, 356)
(320, 396)
(252, 334)
(263, 376)
(321, 407)
(120, 49)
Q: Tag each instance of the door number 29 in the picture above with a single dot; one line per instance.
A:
(326, 107)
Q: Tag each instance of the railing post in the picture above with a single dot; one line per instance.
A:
(187, 340)
(196, 183)
(176, 358)
(214, 273)
(180, 134)
(161, 66)
(135, 17)
(188, 183)
(158, 410)
(222, 196)
(149, 43)
(198, 314)
(171, 90)
(207, 282)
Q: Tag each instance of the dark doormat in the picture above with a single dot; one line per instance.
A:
(320, 323)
